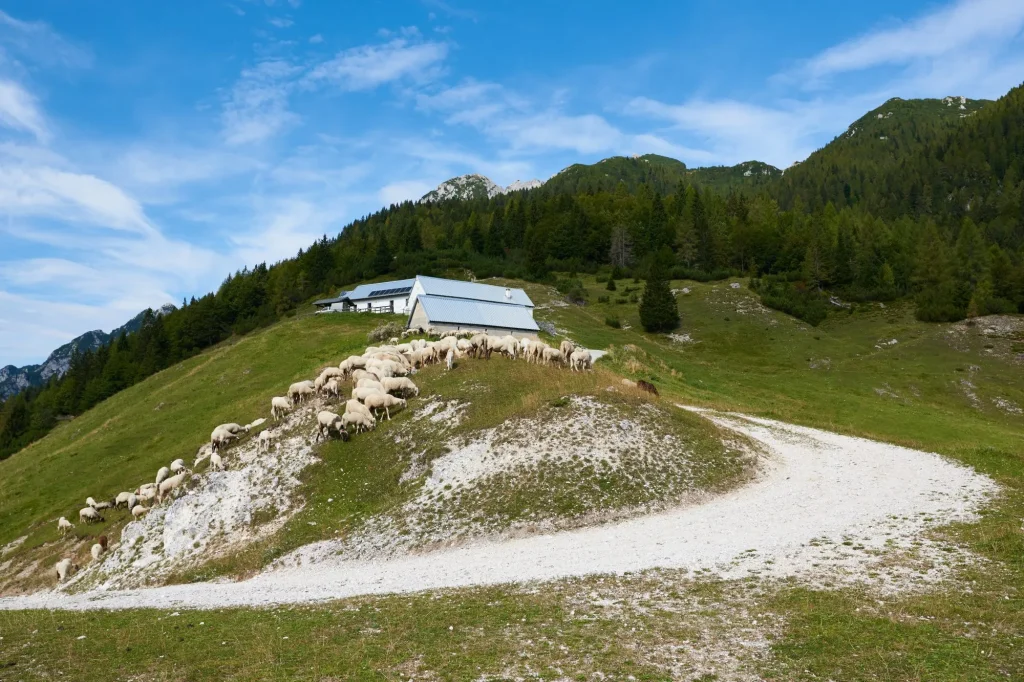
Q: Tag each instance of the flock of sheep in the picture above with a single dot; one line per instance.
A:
(380, 383)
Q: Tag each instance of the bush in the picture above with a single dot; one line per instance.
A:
(793, 298)
(622, 299)
(573, 290)
(602, 299)
(633, 298)
(611, 285)
(613, 322)
(383, 332)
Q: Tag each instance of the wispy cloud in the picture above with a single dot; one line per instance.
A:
(368, 66)
(257, 105)
(36, 41)
(19, 110)
(405, 190)
(281, 22)
(316, 39)
(948, 30)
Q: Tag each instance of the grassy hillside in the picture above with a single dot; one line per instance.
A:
(955, 389)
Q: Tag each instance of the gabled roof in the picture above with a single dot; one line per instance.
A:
(470, 313)
(475, 291)
(393, 288)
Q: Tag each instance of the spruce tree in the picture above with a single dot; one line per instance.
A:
(611, 285)
(658, 312)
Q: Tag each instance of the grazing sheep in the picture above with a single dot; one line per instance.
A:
(253, 424)
(361, 394)
(63, 525)
(168, 486)
(383, 401)
(301, 390)
(330, 373)
(103, 505)
(326, 422)
(65, 568)
(177, 466)
(121, 499)
(357, 421)
(464, 345)
(449, 359)
(280, 406)
(360, 374)
(402, 385)
(97, 552)
(163, 474)
(567, 347)
(234, 428)
(357, 407)
(332, 388)
(147, 494)
(370, 383)
(220, 437)
(263, 442)
(133, 500)
(553, 356)
(581, 360)
(144, 487)
(216, 463)
(88, 515)
(91, 502)
(536, 351)
(138, 511)
(356, 362)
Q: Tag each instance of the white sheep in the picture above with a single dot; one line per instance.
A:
(169, 485)
(96, 551)
(464, 345)
(263, 442)
(220, 437)
(567, 347)
(580, 360)
(147, 494)
(234, 428)
(138, 511)
(371, 383)
(144, 487)
(88, 515)
(449, 359)
(536, 352)
(356, 362)
(91, 502)
(63, 525)
(553, 356)
(383, 401)
(177, 466)
(357, 407)
(216, 463)
(357, 421)
(121, 499)
(333, 388)
(65, 567)
(326, 422)
(361, 394)
(301, 390)
(133, 500)
(280, 406)
(403, 385)
(253, 424)
(163, 474)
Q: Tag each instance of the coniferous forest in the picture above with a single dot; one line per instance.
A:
(919, 200)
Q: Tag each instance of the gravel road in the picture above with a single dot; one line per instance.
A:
(827, 508)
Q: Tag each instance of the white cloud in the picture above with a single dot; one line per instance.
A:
(945, 31)
(257, 106)
(19, 110)
(281, 22)
(368, 66)
(405, 190)
(316, 39)
(39, 43)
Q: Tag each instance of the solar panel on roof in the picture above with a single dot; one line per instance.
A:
(389, 292)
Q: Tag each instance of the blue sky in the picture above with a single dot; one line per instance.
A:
(147, 149)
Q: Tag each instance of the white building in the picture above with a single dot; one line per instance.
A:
(380, 297)
(443, 304)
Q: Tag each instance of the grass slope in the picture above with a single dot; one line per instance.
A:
(946, 388)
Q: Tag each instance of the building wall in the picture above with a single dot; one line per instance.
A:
(419, 319)
(401, 304)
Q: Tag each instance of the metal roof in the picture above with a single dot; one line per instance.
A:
(451, 288)
(465, 312)
(364, 291)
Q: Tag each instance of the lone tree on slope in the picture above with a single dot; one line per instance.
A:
(658, 312)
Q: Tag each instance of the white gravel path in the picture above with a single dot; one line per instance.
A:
(827, 508)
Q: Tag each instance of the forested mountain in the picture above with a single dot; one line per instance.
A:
(749, 175)
(884, 144)
(802, 238)
(15, 379)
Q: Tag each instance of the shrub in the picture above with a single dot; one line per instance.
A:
(633, 298)
(622, 299)
(613, 322)
(793, 298)
(385, 331)
(602, 299)
(611, 285)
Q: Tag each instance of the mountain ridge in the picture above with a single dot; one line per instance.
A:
(14, 380)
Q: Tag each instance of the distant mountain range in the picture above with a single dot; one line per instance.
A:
(660, 172)
(13, 379)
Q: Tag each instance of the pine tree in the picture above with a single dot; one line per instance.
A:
(658, 311)
(382, 259)
(611, 285)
